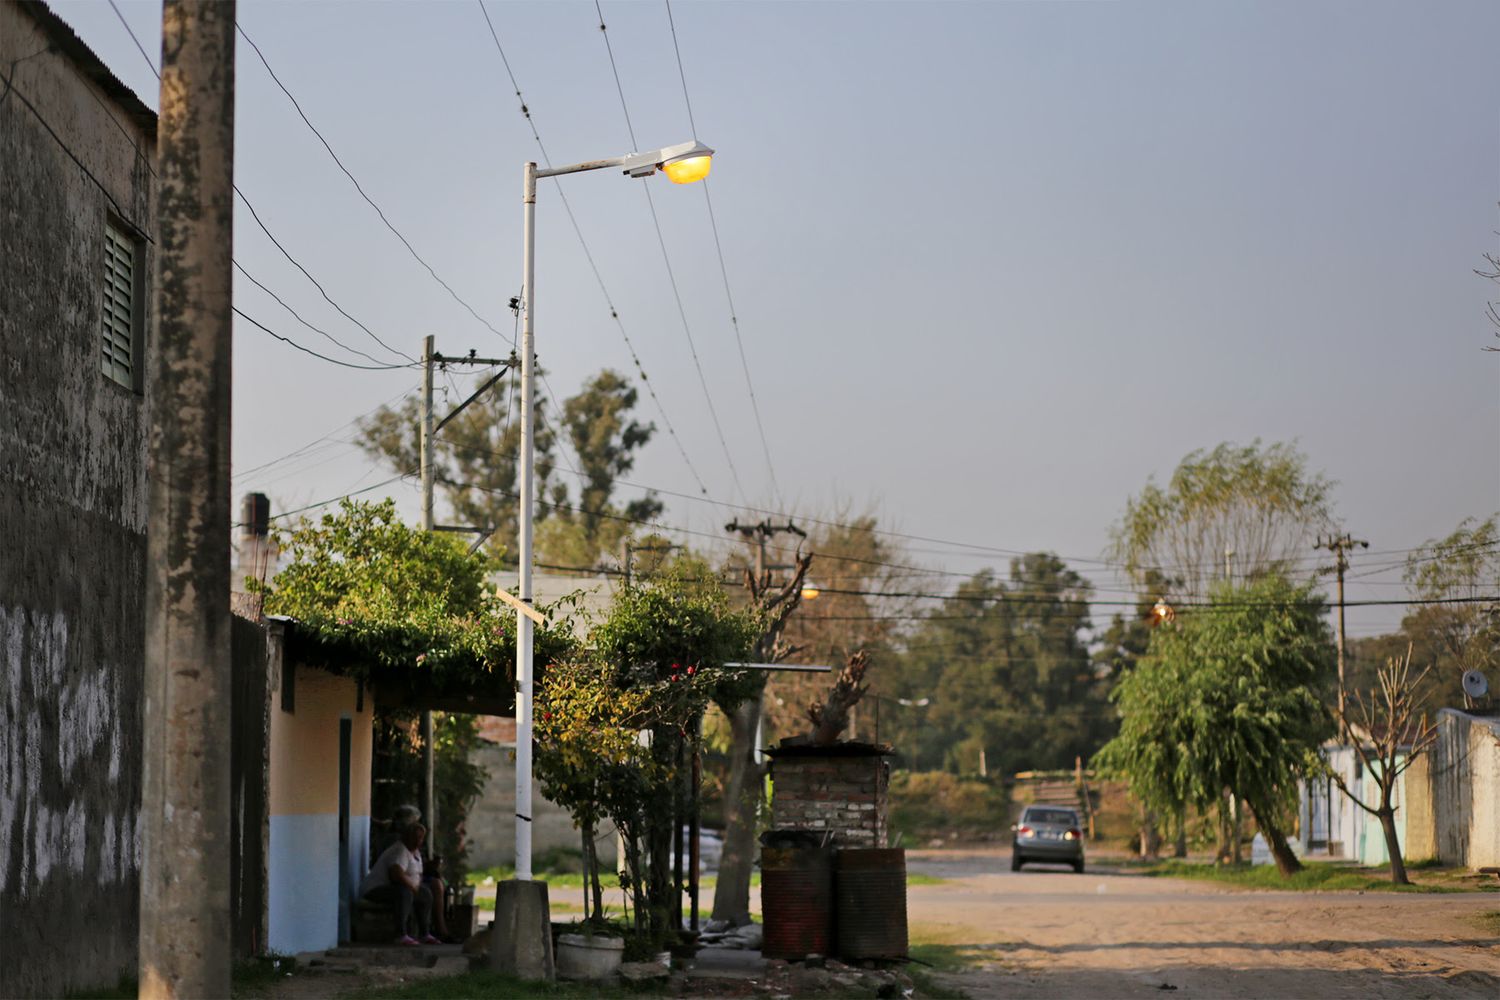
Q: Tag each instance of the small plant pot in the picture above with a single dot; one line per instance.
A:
(583, 957)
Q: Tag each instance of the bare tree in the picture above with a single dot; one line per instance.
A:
(830, 716)
(742, 792)
(1389, 731)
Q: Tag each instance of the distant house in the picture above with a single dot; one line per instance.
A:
(1447, 801)
(1332, 826)
(77, 238)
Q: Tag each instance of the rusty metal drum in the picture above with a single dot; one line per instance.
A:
(796, 899)
(870, 909)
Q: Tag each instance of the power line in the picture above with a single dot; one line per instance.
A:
(307, 350)
(298, 317)
(589, 256)
(358, 187)
(666, 257)
(713, 222)
(265, 229)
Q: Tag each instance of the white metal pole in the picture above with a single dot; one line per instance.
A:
(429, 757)
(523, 623)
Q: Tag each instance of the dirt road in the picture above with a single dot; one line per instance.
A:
(1052, 933)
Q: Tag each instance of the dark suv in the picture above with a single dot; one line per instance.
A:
(1047, 833)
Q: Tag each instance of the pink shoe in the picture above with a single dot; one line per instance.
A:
(430, 939)
(407, 941)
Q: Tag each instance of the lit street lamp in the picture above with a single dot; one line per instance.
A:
(683, 164)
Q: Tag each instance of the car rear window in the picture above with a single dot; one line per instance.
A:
(1052, 817)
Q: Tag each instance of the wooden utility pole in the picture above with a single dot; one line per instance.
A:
(1339, 545)
(185, 853)
(426, 443)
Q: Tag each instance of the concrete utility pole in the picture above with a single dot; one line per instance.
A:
(185, 855)
(429, 763)
(1338, 546)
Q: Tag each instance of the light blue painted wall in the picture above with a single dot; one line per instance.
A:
(303, 897)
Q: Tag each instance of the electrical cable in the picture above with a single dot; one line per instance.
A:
(666, 257)
(298, 317)
(713, 222)
(307, 350)
(589, 256)
(358, 187)
(271, 236)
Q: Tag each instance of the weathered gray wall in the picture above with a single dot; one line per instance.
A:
(1464, 772)
(72, 530)
(491, 827)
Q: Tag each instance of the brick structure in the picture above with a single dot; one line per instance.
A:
(841, 787)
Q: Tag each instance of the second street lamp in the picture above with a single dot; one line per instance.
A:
(683, 164)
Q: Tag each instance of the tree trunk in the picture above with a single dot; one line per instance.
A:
(1150, 837)
(1179, 846)
(1286, 862)
(1393, 846)
(742, 796)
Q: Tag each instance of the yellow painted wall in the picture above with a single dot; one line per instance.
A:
(304, 753)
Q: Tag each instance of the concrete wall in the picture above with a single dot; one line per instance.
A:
(303, 896)
(1421, 822)
(491, 827)
(1465, 783)
(72, 526)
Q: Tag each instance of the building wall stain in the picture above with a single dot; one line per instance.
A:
(72, 520)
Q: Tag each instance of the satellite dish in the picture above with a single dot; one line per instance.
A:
(1476, 685)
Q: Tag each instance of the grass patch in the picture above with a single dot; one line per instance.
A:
(487, 984)
(251, 977)
(1315, 876)
(915, 878)
(1489, 921)
(945, 948)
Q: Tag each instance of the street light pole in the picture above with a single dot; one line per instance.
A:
(522, 945)
(524, 665)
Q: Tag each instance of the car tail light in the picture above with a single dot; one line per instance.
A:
(1025, 831)
(1074, 834)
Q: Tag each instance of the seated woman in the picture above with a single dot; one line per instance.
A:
(396, 878)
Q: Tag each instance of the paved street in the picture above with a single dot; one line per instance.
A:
(1046, 932)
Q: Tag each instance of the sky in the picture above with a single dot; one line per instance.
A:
(994, 265)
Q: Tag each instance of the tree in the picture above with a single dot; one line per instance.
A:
(605, 440)
(411, 610)
(475, 456)
(1460, 636)
(1224, 700)
(772, 605)
(671, 639)
(1389, 731)
(1007, 668)
(1262, 505)
(856, 564)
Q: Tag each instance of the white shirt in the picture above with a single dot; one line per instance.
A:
(394, 856)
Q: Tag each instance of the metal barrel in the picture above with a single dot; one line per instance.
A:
(796, 899)
(871, 903)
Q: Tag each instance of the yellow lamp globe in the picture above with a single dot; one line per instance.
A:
(688, 169)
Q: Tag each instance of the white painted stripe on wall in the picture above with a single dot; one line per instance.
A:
(303, 894)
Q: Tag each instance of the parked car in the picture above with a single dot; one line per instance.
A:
(1047, 833)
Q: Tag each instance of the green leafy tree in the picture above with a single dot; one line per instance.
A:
(1260, 504)
(1225, 699)
(476, 454)
(474, 457)
(1452, 638)
(1006, 666)
(411, 612)
(657, 661)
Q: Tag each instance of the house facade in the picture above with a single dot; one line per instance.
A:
(77, 217)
